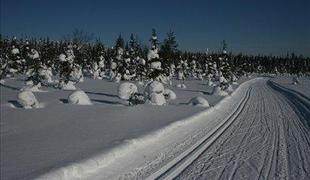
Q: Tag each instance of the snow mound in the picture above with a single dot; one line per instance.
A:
(27, 100)
(79, 97)
(127, 90)
(199, 101)
(169, 94)
(219, 92)
(157, 99)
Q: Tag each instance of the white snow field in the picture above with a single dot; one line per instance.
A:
(260, 131)
(61, 135)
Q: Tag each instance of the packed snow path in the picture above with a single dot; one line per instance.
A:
(267, 137)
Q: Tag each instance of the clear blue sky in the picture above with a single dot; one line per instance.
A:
(250, 26)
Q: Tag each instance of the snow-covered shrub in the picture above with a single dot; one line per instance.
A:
(156, 65)
(152, 54)
(67, 86)
(127, 90)
(79, 97)
(46, 74)
(183, 86)
(199, 101)
(219, 92)
(27, 99)
(169, 94)
(157, 99)
(31, 87)
(154, 93)
(230, 88)
(154, 87)
(118, 78)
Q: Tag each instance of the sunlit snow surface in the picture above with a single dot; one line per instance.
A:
(36, 141)
(109, 139)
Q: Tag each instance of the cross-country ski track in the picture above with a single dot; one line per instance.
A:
(266, 137)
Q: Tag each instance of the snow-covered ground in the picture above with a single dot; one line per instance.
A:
(260, 131)
(39, 141)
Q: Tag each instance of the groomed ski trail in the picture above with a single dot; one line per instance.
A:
(265, 137)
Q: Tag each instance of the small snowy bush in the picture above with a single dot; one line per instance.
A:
(230, 88)
(183, 86)
(152, 54)
(154, 87)
(199, 101)
(31, 87)
(169, 94)
(67, 86)
(79, 97)
(154, 93)
(157, 99)
(219, 92)
(126, 90)
(27, 99)
(156, 65)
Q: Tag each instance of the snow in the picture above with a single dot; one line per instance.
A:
(183, 86)
(15, 51)
(126, 90)
(31, 87)
(156, 65)
(79, 97)
(199, 101)
(157, 99)
(152, 54)
(62, 58)
(219, 92)
(66, 139)
(68, 86)
(169, 94)
(27, 99)
(34, 54)
(154, 87)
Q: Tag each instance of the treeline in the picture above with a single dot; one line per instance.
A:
(77, 56)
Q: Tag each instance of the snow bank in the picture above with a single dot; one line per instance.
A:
(199, 101)
(127, 90)
(27, 100)
(79, 97)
